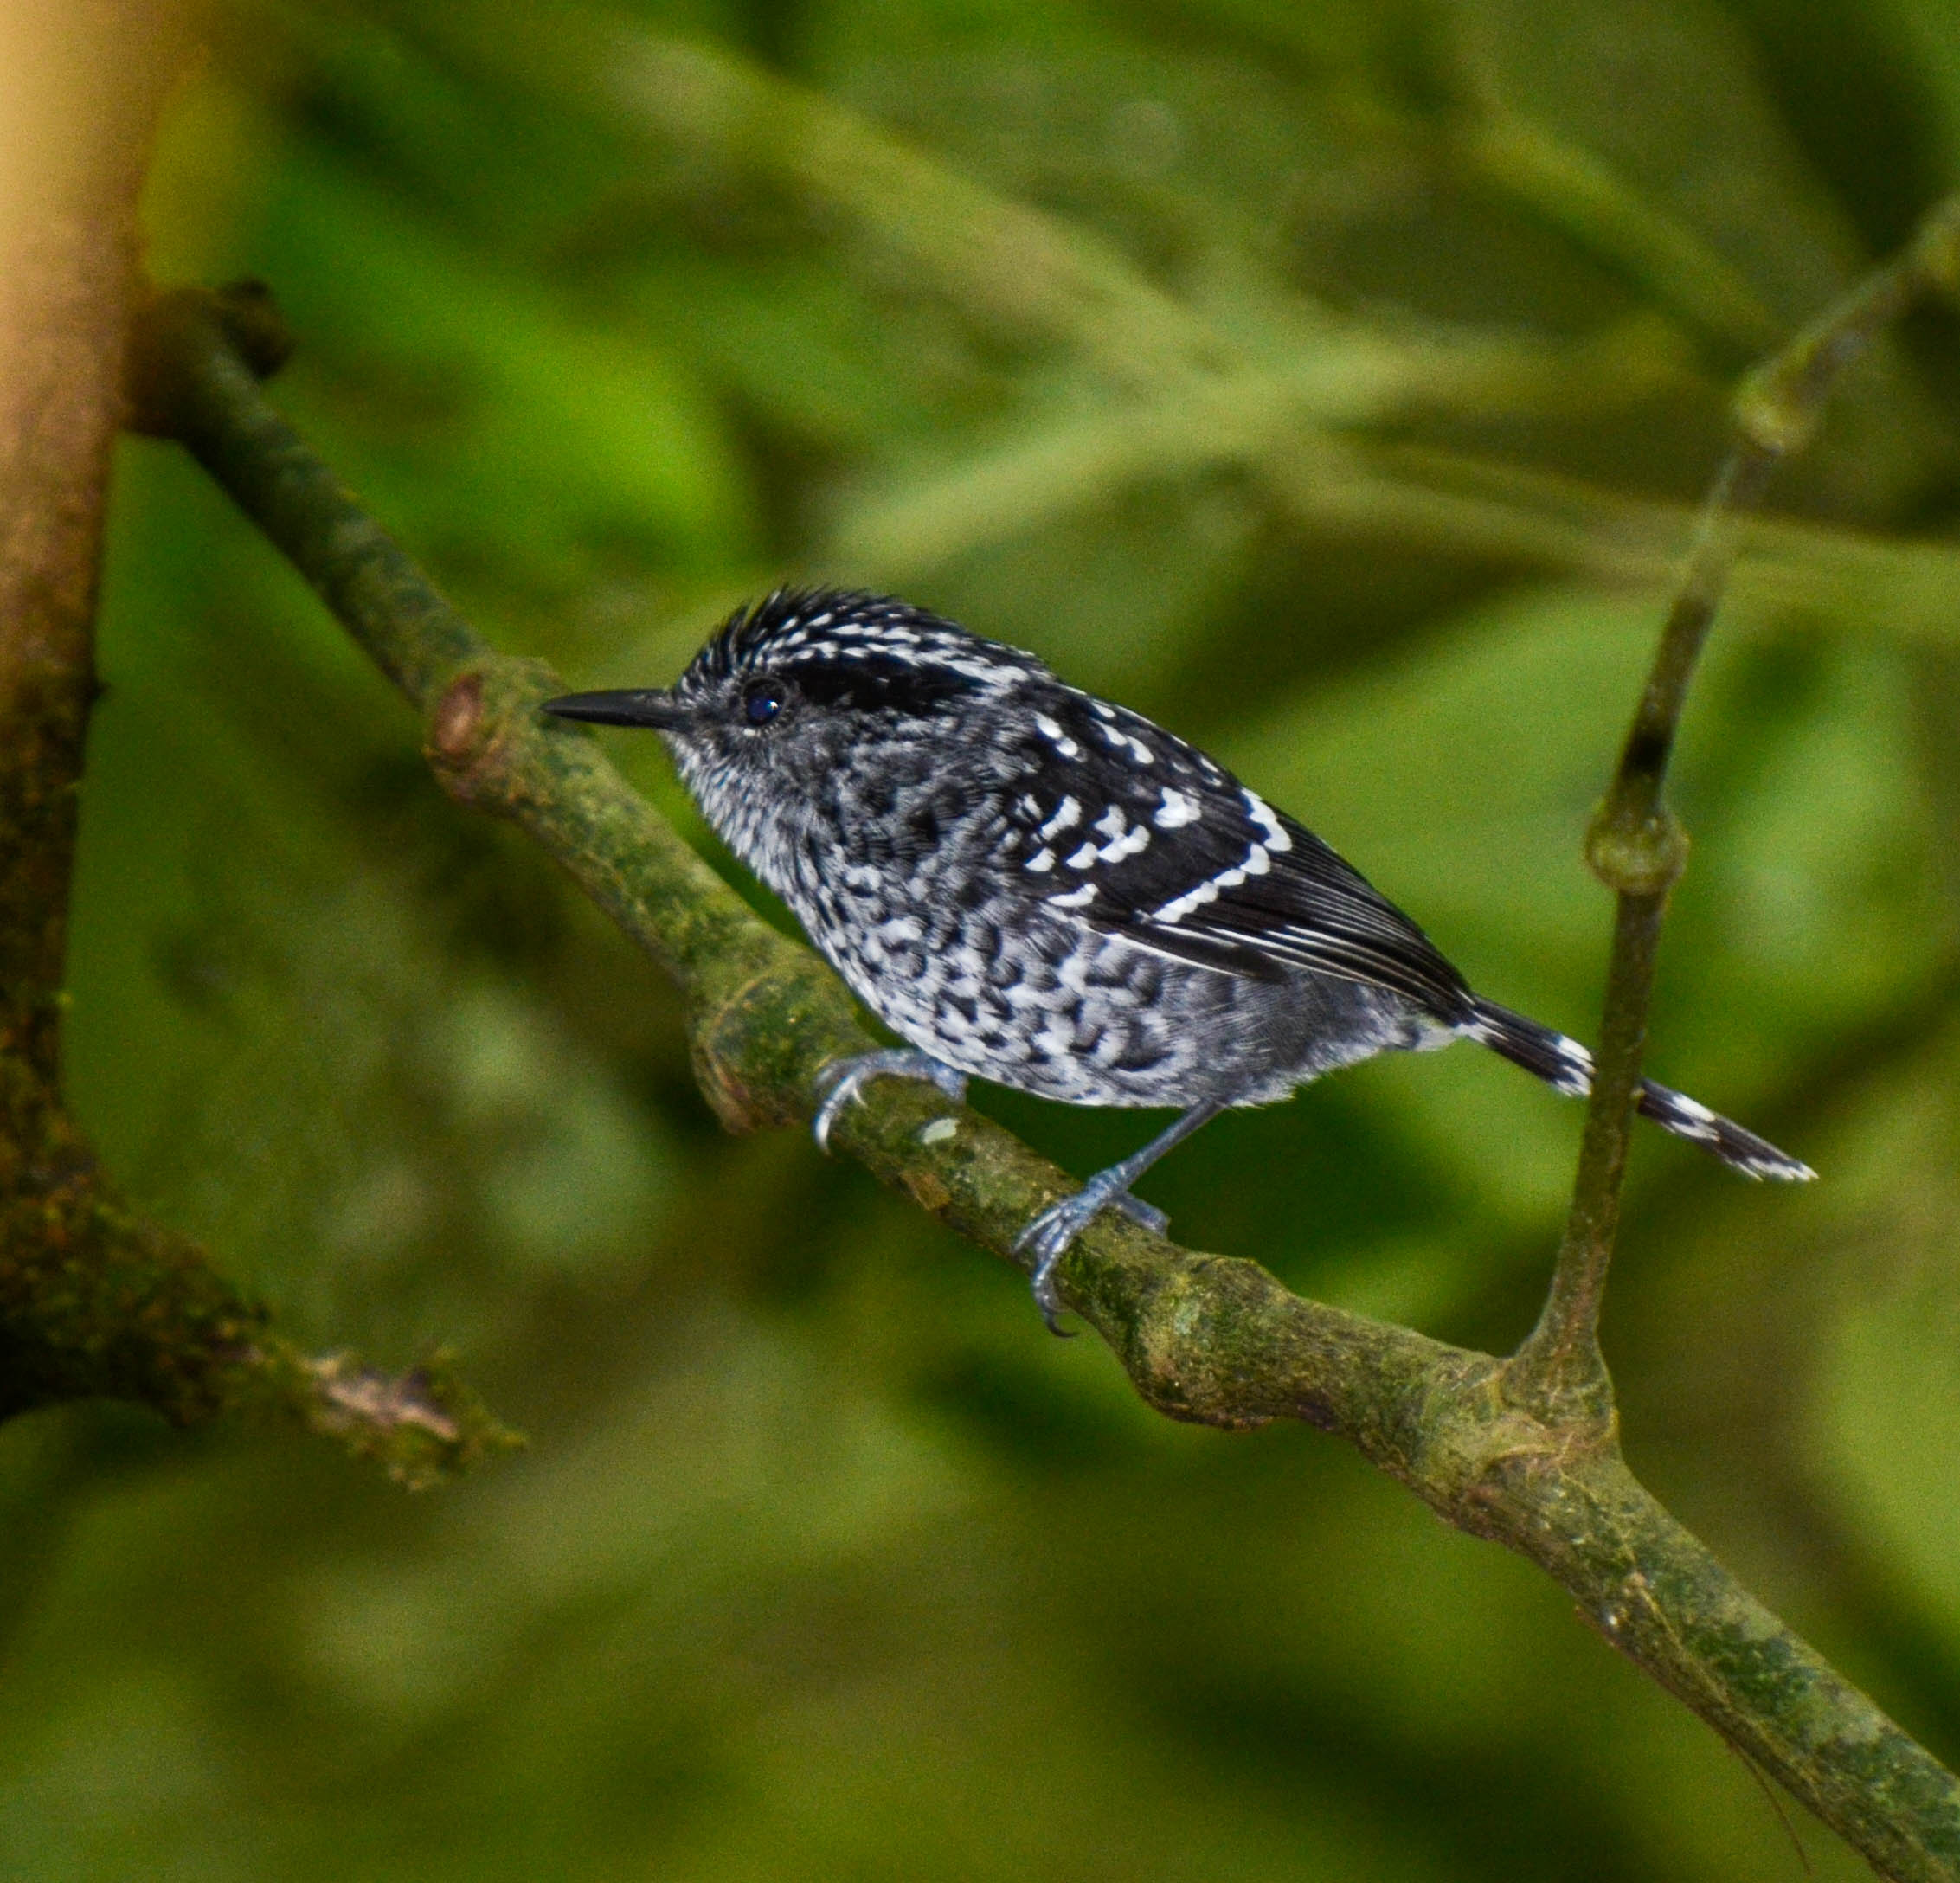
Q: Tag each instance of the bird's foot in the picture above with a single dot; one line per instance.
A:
(1051, 1232)
(846, 1079)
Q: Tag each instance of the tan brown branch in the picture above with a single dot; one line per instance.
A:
(94, 1301)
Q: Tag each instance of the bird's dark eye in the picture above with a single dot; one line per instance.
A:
(762, 701)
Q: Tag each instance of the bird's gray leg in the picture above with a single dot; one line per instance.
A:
(847, 1078)
(1050, 1233)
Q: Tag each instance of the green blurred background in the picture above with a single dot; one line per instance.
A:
(1322, 378)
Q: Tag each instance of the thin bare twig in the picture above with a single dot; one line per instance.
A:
(1635, 846)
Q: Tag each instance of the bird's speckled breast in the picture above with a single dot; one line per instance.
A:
(1017, 992)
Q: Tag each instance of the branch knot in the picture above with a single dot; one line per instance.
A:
(474, 731)
(1634, 855)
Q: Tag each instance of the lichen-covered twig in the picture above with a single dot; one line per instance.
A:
(1203, 1337)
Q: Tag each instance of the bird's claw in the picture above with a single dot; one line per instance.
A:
(847, 1078)
(1049, 1235)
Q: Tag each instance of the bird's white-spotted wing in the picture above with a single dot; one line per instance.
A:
(1133, 832)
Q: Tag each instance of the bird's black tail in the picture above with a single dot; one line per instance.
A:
(1566, 1066)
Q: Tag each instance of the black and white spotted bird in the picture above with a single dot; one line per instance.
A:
(1030, 886)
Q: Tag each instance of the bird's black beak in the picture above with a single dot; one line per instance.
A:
(646, 706)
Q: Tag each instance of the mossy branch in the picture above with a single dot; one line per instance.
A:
(94, 1301)
(1203, 1338)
